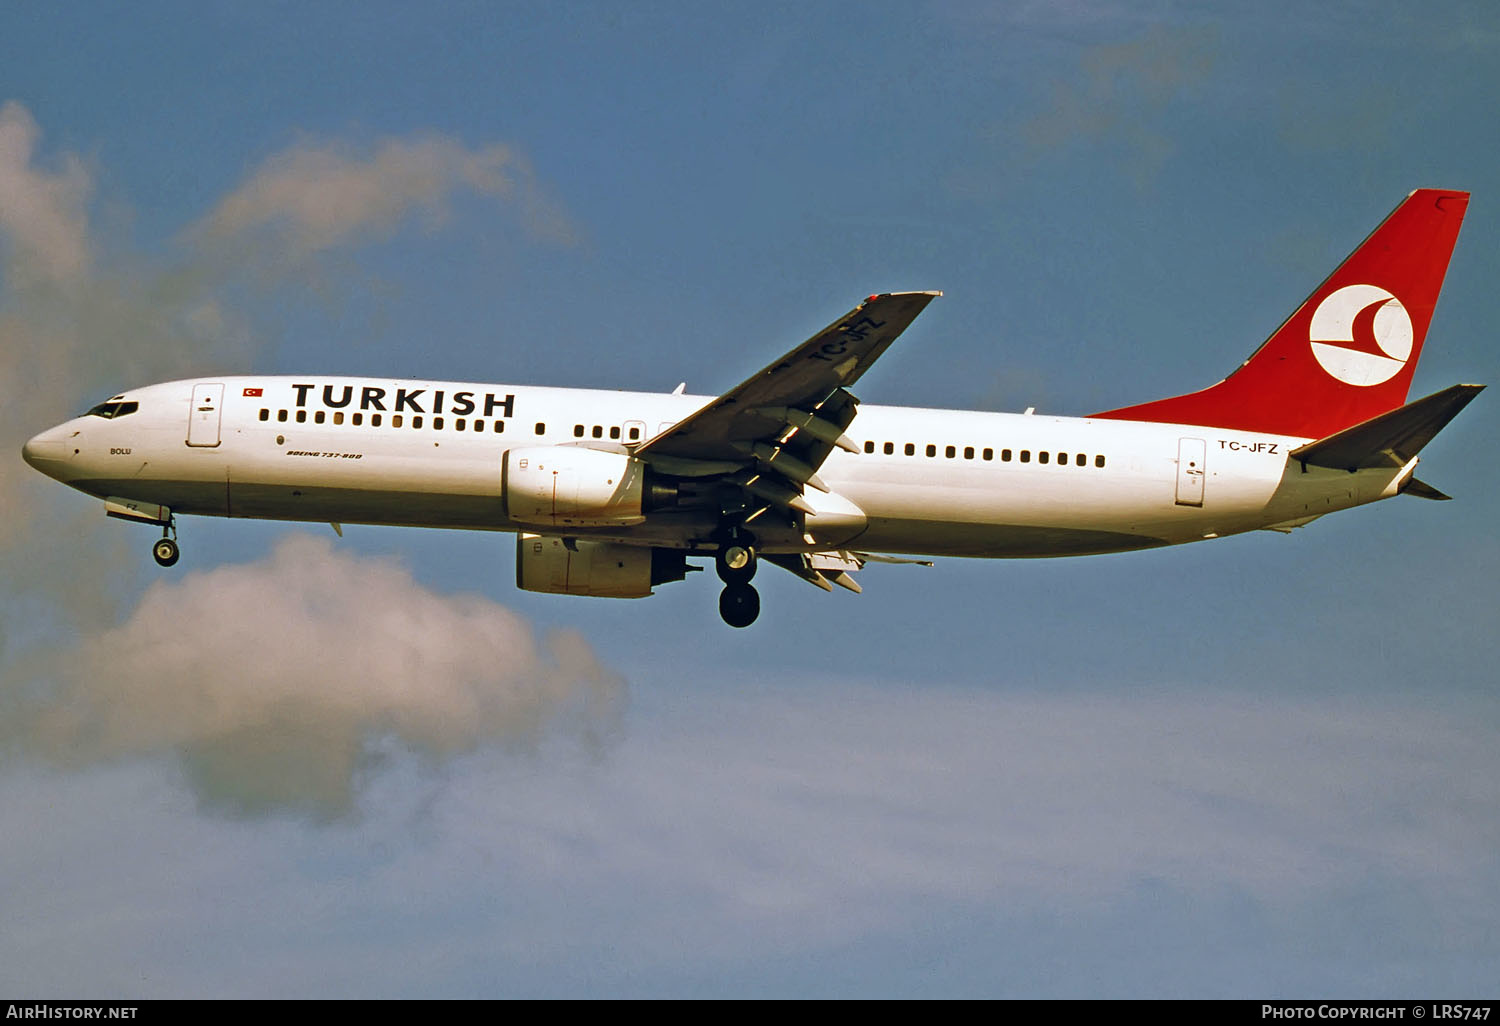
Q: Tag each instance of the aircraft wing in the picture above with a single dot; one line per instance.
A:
(803, 393)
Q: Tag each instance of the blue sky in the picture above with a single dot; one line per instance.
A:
(299, 765)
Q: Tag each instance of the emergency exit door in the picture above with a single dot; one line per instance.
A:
(203, 416)
(1191, 454)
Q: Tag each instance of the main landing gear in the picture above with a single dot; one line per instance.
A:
(165, 550)
(739, 603)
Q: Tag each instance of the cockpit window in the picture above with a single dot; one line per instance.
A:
(112, 409)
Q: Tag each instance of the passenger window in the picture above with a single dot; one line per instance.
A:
(499, 426)
(1025, 455)
(598, 431)
(614, 432)
(1081, 460)
(1043, 456)
(338, 416)
(1004, 455)
(911, 450)
(577, 431)
(437, 423)
(356, 419)
(395, 420)
(301, 416)
(950, 452)
(989, 454)
(890, 448)
(458, 425)
(541, 428)
(265, 414)
(374, 420)
(281, 415)
(416, 421)
(1062, 459)
(1098, 461)
(318, 417)
(869, 446)
(968, 452)
(931, 450)
(635, 433)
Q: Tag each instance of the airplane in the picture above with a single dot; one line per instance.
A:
(610, 493)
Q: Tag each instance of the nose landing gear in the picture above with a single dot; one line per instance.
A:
(739, 603)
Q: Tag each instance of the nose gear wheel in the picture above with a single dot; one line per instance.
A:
(165, 551)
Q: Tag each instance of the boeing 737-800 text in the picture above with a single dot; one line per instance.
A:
(610, 493)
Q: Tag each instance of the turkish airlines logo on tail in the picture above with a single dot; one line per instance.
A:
(1361, 334)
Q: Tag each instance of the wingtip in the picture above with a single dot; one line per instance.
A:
(933, 293)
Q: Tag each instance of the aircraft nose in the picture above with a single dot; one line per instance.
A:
(46, 452)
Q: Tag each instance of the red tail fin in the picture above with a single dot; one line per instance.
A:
(1348, 353)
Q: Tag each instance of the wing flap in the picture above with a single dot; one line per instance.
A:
(822, 569)
(798, 563)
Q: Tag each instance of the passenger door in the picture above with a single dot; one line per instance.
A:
(203, 417)
(1191, 456)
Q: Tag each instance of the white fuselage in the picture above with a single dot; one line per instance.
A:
(932, 482)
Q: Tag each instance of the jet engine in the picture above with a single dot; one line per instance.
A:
(569, 486)
(568, 566)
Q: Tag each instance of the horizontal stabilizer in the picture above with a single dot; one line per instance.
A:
(1423, 490)
(1391, 439)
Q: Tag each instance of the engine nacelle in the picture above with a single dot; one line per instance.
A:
(569, 486)
(602, 569)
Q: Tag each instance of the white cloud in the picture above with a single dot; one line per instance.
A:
(274, 682)
(274, 697)
(42, 214)
(318, 196)
(83, 316)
